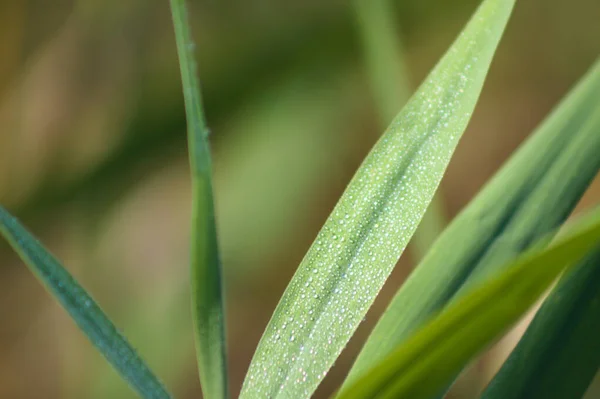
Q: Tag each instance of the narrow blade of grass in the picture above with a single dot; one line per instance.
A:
(168, 348)
(207, 291)
(530, 197)
(384, 56)
(368, 230)
(82, 308)
(559, 354)
(388, 74)
(429, 359)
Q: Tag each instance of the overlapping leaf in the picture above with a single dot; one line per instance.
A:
(361, 241)
(530, 197)
(430, 359)
(559, 354)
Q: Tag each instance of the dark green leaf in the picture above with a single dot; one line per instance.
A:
(559, 355)
(530, 197)
(430, 359)
(207, 307)
(82, 308)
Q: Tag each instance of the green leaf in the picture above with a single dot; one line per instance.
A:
(207, 291)
(367, 231)
(389, 82)
(430, 359)
(559, 354)
(530, 197)
(275, 158)
(82, 308)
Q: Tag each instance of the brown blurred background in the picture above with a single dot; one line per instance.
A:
(93, 160)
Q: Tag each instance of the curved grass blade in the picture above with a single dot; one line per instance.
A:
(168, 349)
(367, 231)
(207, 291)
(389, 82)
(431, 358)
(384, 57)
(559, 354)
(83, 309)
(529, 198)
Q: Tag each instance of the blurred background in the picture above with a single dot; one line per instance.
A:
(93, 158)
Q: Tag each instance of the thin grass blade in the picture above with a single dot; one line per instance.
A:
(83, 309)
(430, 359)
(369, 228)
(529, 198)
(207, 292)
(559, 354)
(384, 56)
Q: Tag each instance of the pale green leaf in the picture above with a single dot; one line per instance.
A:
(530, 197)
(83, 309)
(207, 295)
(430, 359)
(385, 61)
(367, 231)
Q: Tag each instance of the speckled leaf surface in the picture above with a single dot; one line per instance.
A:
(369, 228)
(533, 194)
